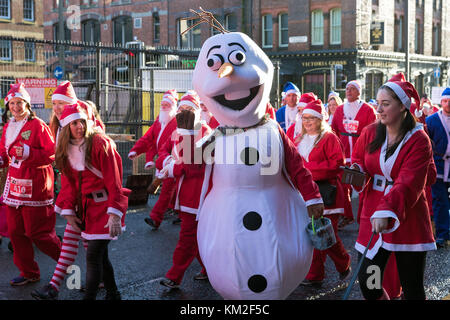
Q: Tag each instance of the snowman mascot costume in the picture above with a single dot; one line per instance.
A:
(252, 217)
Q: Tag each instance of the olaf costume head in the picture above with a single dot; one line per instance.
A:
(233, 77)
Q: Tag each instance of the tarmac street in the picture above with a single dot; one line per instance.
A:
(141, 257)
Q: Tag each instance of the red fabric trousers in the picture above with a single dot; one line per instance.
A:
(337, 253)
(28, 225)
(165, 200)
(348, 211)
(391, 279)
(186, 249)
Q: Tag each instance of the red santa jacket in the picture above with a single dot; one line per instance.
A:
(323, 162)
(189, 177)
(213, 123)
(101, 188)
(396, 190)
(154, 139)
(348, 130)
(30, 176)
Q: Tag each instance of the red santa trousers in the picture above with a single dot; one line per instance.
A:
(186, 249)
(28, 225)
(391, 279)
(337, 253)
(165, 200)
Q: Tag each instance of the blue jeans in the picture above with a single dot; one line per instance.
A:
(441, 206)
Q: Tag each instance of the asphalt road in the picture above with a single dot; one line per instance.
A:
(141, 257)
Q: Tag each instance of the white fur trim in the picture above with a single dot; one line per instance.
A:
(445, 97)
(67, 212)
(293, 91)
(189, 210)
(409, 247)
(333, 211)
(313, 113)
(112, 210)
(188, 103)
(58, 96)
(26, 152)
(57, 209)
(74, 116)
(132, 153)
(400, 93)
(149, 164)
(386, 214)
(171, 100)
(186, 132)
(313, 201)
(354, 84)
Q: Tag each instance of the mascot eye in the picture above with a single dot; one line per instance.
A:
(236, 57)
(215, 61)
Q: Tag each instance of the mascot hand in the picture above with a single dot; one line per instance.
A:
(185, 120)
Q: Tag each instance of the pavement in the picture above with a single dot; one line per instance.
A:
(141, 257)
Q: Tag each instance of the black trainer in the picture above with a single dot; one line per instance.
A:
(151, 223)
(113, 296)
(169, 284)
(344, 276)
(47, 292)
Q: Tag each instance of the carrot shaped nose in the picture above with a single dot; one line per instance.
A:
(225, 70)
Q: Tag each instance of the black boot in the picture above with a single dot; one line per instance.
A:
(47, 292)
(113, 296)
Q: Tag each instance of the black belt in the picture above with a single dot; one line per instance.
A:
(99, 194)
(349, 134)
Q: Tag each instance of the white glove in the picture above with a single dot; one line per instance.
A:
(149, 165)
(114, 224)
(132, 155)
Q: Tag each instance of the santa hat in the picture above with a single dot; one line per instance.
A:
(18, 91)
(446, 93)
(405, 91)
(398, 77)
(170, 96)
(333, 94)
(191, 101)
(65, 92)
(289, 87)
(315, 108)
(355, 84)
(306, 98)
(71, 113)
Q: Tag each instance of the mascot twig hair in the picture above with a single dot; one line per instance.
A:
(205, 16)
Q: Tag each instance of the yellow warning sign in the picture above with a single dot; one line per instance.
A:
(48, 97)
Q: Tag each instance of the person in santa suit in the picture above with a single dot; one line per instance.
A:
(322, 154)
(71, 238)
(28, 148)
(285, 116)
(348, 122)
(395, 154)
(208, 117)
(85, 157)
(189, 181)
(438, 125)
(160, 131)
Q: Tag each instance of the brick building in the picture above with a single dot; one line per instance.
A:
(367, 37)
(24, 19)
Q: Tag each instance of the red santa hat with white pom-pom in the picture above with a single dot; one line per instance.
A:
(71, 113)
(306, 98)
(315, 108)
(18, 91)
(170, 96)
(405, 91)
(65, 92)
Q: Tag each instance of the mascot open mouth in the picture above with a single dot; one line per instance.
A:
(237, 104)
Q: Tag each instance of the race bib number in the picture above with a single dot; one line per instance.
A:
(22, 188)
(351, 126)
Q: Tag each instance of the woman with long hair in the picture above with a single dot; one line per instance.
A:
(395, 154)
(28, 148)
(333, 102)
(92, 205)
(323, 156)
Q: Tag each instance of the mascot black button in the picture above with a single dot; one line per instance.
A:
(252, 221)
(249, 156)
(257, 283)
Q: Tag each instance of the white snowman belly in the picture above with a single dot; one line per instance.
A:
(251, 230)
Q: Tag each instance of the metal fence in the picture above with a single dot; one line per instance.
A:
(126, 83)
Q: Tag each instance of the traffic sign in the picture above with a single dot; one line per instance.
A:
(58, 73)
(437, 72)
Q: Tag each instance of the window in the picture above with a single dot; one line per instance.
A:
(30, 51)
(436, 51)
(5, 50)
(190, 39)
(267, 31)
(398, 34)
(28, 10)
(67, 34)
(156, 27)
(90, 31)
(283, 36)
(335, 26)
(5, 9)
(418, 38)
(317, 27)
(122, 30)
(231, 22)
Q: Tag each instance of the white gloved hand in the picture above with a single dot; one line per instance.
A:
(114, 224)
(132, 155)
(149, 165)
